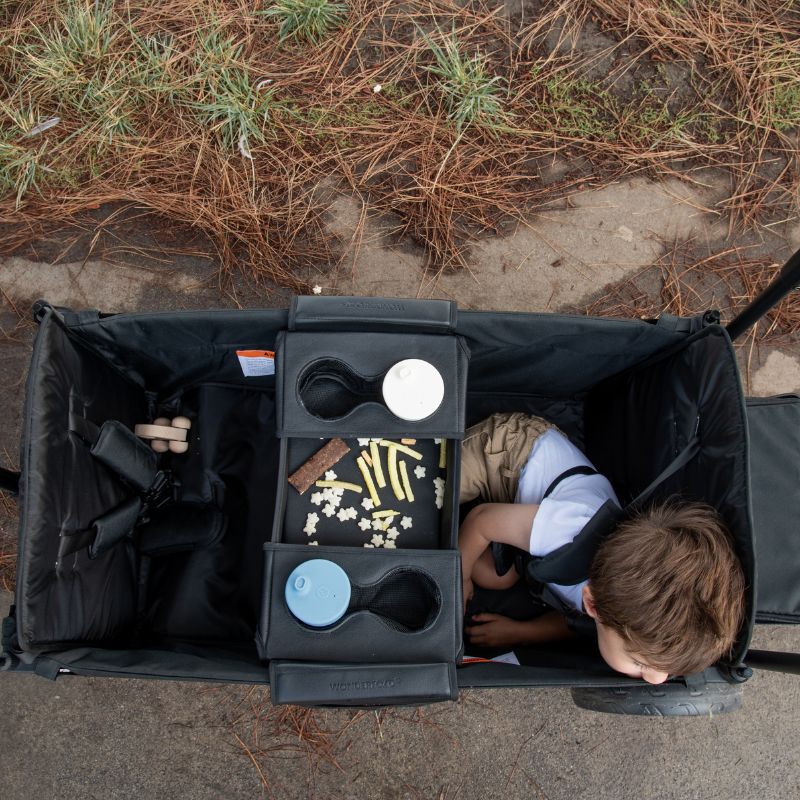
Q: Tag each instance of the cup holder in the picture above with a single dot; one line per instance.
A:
(329, 389)
(406, 599)
(319, 594)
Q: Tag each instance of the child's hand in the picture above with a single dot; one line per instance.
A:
(494, 631)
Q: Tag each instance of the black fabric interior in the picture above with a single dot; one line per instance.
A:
(136, 367)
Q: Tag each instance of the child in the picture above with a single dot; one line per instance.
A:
(665, 590)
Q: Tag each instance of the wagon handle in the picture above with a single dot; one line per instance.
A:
(9, 481)
(772, 660)
(788, 279)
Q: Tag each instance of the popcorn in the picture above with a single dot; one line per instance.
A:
(314, 543)
(365, 524)
(317, 498)
(438, 485)
(419, 471)
(329, 510)
(392, 533)
(367, 504)
(330, 475)
(346, 514)
(363, 442)
(405, 523)
(311, 524)
(370, 545)
(377, 540)
(390, 545)
(377, 524)
(437, 441)
(317, 290)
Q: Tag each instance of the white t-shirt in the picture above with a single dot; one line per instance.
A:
(574, 501)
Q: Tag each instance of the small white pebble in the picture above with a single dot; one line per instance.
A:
(329, 510)
(377, 540)
(330, 475)
(368, 504)
(317, 290)
(419, 471)
(377, 88)
(317, 498)
(405, 523)
(390, 545)
(365, 524)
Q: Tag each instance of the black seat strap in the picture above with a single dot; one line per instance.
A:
(568, 473)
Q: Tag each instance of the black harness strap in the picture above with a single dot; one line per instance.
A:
(581, 469)
(505, 555)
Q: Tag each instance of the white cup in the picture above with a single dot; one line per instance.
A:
(413, 389)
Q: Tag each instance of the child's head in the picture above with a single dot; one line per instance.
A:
(667, 592)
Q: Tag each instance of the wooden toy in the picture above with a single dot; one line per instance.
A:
(165, 435)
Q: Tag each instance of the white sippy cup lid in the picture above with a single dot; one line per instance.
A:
(413, 389)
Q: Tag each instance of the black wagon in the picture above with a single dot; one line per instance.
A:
(174, 564)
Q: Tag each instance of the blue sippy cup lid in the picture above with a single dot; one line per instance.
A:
(318, 592)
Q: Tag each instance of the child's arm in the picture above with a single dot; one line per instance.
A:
(509, 523)
(498, 631)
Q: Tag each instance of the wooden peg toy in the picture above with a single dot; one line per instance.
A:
(166, 435)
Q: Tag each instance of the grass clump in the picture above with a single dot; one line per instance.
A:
(470, 95)
(306, 20)
(228, 100)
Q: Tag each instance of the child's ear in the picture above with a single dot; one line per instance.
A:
(588, 602)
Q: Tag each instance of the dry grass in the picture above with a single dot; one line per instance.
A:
(689, 279)
(318, 740)
(198, 111)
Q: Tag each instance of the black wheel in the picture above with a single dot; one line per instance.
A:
(666, 700)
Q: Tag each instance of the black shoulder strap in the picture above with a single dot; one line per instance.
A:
(568, 473)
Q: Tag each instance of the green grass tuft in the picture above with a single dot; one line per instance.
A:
(307, 20)
(470, 95)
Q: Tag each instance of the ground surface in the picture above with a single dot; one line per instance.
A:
(86, 738)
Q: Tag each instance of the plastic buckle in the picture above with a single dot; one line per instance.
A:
(40, 308)
(161, 492)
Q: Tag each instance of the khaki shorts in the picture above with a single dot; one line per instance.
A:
(493, 454)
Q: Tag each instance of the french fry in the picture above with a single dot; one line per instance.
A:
(362, 465)
(408, 441)
(406, 483)
(376, 465)
(387, 513)
(353, 487)
(443, 454)
(393, 478)
(402, 448)
(387, 523)
(365, 456)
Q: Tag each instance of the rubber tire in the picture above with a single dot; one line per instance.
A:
(666, 700)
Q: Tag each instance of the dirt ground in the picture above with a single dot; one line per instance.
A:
(84, 738)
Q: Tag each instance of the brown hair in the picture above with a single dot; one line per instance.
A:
(669, 582)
